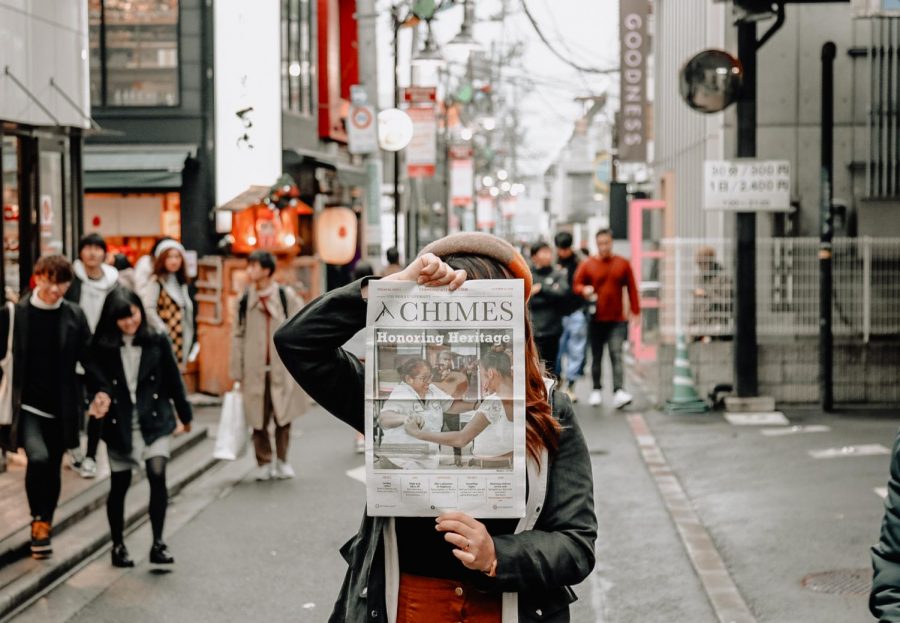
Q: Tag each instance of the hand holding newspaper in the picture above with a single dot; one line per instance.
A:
(445, 399)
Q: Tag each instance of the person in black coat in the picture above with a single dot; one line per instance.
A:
(548, 304)
(142, 378)
(50, 336)
(517, 570)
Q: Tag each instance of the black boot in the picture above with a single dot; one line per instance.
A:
(159, 554)
(120, 557)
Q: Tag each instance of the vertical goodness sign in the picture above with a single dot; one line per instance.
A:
(633, 64)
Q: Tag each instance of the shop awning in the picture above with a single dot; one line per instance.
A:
(135, 167)
(254, 195)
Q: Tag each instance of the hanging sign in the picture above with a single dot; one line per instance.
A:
(462, 175)
(421, 154)
(484, 212)
(747, 185)
(634, 47)
(361, 130)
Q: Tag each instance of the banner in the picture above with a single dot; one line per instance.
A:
(485, 217)
(633, 49)
(445, 399)
(462, 180)
(421, 153)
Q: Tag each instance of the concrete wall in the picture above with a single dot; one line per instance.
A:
(788, 371)
(789, 108)
(40, 40)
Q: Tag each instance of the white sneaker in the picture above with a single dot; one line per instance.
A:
(88, 468)
(76, 457)
(596, 398)
(263, 472)
(621, 398)
(283, 470)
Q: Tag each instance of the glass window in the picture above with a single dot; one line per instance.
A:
(10, 186)
(50, 205)
(134, 52)
(296, 56)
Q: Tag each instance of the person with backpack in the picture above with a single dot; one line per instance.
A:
(269, 393)
(94, 280)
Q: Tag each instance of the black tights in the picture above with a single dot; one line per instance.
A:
(159, 499)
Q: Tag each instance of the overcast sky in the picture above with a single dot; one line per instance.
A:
(585, 31)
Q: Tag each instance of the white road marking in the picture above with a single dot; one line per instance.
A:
(866, 449)
(881, 492)
(358, 473)
(794, 430)
(775, 418)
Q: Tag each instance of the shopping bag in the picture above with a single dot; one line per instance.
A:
(6, 367)
(231, 442)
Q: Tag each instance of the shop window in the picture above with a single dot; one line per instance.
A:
(10, 188)
(296, 56)
(131, 223)
(134, 52)
(50, 203)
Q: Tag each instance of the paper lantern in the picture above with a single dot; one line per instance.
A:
(260, 227)
(336, 235)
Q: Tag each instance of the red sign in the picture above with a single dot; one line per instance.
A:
(420, 95)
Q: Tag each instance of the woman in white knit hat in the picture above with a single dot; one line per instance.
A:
(167, 301)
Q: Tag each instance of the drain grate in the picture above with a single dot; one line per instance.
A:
(840, 582)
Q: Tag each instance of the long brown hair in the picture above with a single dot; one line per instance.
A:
(159, 267)
(541, 428)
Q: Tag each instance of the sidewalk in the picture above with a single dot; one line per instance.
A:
(774, 513)
(80, 505)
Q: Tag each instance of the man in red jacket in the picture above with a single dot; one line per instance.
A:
(601, 278)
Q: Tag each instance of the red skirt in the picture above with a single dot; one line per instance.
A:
(432, 600)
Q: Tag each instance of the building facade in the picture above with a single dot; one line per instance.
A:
(43, 119)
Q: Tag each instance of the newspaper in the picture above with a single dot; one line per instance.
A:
(445, 399)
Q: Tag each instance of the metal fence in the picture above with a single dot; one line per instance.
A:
(696, 278)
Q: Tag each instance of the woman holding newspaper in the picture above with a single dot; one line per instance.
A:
(455, 567)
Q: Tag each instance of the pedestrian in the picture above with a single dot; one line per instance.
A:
(126, 271)
(139, 372)
(410, 570)
(357, 344)
(414, 396)
(490, 431)
(143, 267)
(712, 304)
(50, 337)
(393, 262)
(270, 396)
(601, 279)
(167, 299)
(573, 343)
(94, 280)
(549, 298)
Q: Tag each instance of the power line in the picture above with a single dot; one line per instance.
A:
(567, 61)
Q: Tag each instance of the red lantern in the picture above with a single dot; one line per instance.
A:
(336, 230)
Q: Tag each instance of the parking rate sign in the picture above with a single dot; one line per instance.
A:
(747, 185)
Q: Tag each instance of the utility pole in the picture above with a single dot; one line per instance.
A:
(745, 356)
(368, 70)
(826, 230)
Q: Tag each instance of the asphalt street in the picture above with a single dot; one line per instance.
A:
(251, 551)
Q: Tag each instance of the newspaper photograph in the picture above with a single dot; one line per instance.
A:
(445, 399)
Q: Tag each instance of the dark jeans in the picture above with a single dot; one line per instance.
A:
(43, 442)
(612, 336)
(261, 442)
(548, 351)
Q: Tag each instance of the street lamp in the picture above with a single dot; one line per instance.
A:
(429, 56)
(464, 39)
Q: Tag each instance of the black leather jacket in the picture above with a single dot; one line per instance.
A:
(159, 386)
(538, 564)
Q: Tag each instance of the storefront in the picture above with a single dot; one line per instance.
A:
(43, 104)
(41, 187)
(133, 194)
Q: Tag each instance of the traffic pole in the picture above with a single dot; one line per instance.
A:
(826, 232)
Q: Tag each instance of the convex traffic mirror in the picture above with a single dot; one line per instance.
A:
(711, 81)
